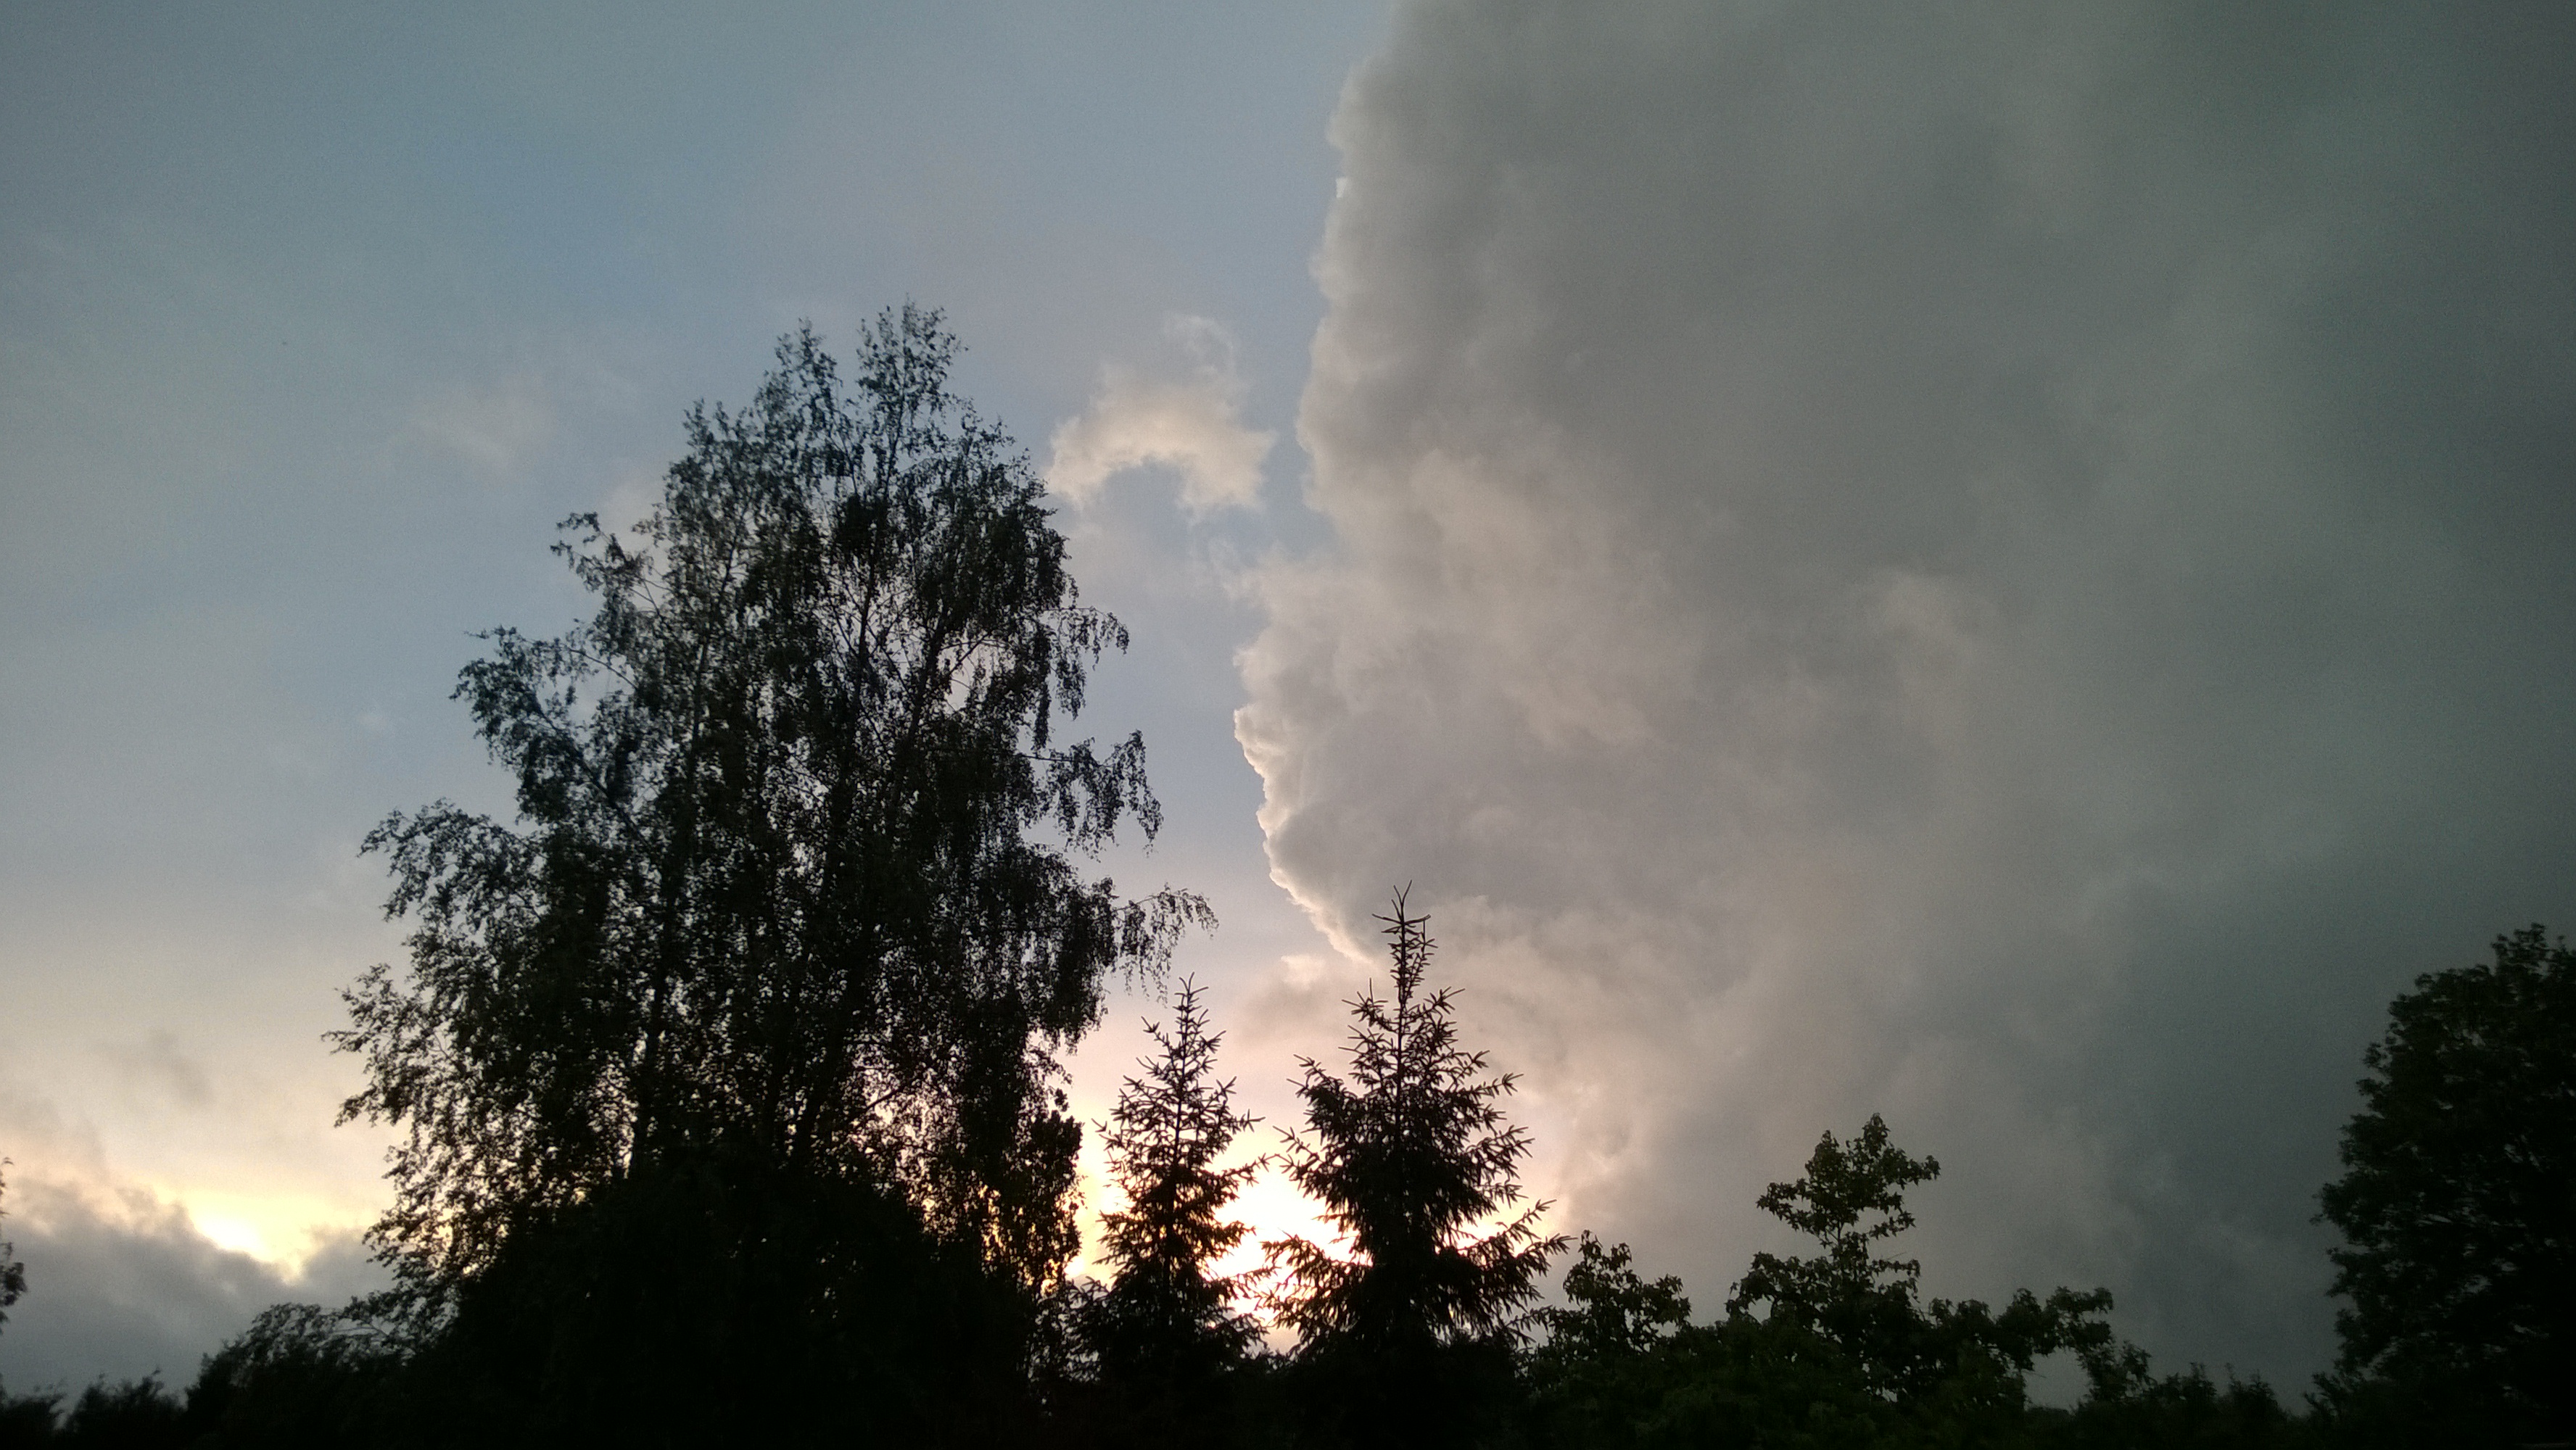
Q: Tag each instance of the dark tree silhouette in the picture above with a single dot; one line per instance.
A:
(13, 1274)
(2458, 1199)
(1165, 1335)
(1409, 1157)
(736, 1056)
(138, 1414)
(1837, 1349)
(1867, 1308)
(300, 1375)
(1851, 1199)
(1610, 1312)
(778, 877)
(1165, 1138)
(1406, 1336)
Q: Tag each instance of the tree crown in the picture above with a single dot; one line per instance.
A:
(1165, 1138)
(792, 873)
(2459, 1185)
(1408, 1156)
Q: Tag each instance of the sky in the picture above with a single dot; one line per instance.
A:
(1998, 564)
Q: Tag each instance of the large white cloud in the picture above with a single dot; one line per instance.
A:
(2002, 564)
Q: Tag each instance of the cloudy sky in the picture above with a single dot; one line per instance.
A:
(2000, 564)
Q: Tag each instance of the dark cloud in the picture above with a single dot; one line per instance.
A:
(2001, 564)
(122, 1284)
(159, 1068)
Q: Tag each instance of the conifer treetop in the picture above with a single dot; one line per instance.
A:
(1409, 1156)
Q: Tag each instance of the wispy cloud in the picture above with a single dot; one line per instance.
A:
(497, 427)
(160, 1068)
(1190, 424)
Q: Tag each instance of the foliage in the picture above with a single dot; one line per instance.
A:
(727, 1300)
(1623, 1367)
(137, 1415)
(1831, 1350)
(301, 1375)
(1610, 1311)
(1865, 1306)
(2458, 1196)
(27, 1419)
(1852, 1197)
(1608, 1350)
(781, 885)
(13, 1274)
(1407, 1158)
(2135, 1410)
(1167, 1321)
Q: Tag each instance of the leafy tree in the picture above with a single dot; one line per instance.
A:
(1607, 1354)
(1846, 1355)
(1852, 1198)
(136, 1415)
(2142, 1411)
(13, 1274)
(1610, 1311)
(300, 1375)
(792, 872)
(727, 1301)
(1964, 1359)
(2458, 1202)
(1406, 1338)
(733, 1061)
(28, 1419)
(1165, 1310)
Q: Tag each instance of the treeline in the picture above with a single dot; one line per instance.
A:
(730, 1108)
(718, 1309)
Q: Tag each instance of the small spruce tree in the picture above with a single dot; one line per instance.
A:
(1167, 1320)
(1410, 1157)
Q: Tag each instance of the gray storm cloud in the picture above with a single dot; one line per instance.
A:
(121, 1285)
(2004, 564)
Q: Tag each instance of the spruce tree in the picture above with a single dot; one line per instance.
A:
(1167, 1327)
(1414, 1162)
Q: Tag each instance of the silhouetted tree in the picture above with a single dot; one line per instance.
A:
(1165, 1138)
(1166, 1331)
(1621, 1366)
(1852, 1198)
(1964, 1356)
(790, 911)
(136, 1415)
(2147, 1412)
(1413, 1162)
(2458, 1204)
(1839, 1350)
(27, 1420)
(1604, 1360)
(301, 1375)
(13, 1274)
(1610, 1311)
